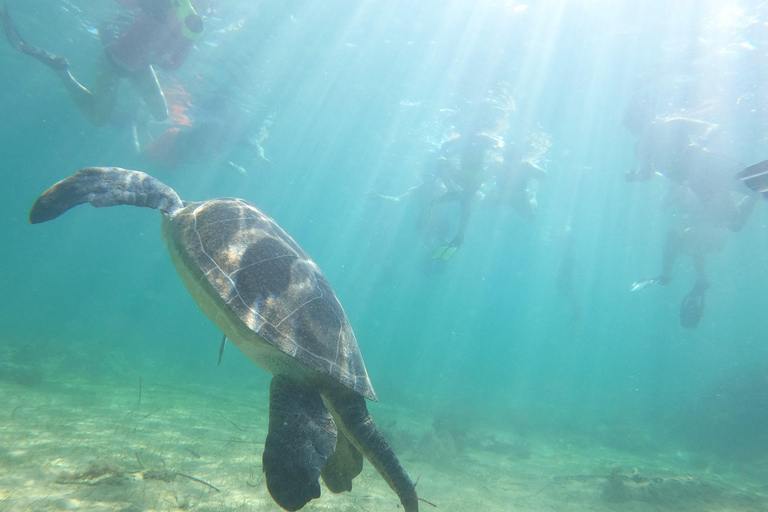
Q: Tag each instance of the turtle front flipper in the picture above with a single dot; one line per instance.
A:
(354, 421)
(302, 436)
(105, 186)
(343, 466)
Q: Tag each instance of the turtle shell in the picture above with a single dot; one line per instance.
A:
(270, 285)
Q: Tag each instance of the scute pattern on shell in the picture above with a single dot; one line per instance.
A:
(272, 286)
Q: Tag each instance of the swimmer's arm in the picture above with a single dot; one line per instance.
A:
(408, 193)
(372, 194)
(396, 199)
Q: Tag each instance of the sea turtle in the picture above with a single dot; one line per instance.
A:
(269, 298)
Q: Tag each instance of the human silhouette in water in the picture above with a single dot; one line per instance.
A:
(463, 181)
(465, 161)
(206, 127)
(703, 188)
(515, 179)
(162, 33)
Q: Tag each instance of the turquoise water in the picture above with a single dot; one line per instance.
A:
(463, 354)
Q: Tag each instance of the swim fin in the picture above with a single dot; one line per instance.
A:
(639, 285)
(444, 252)
(692, 309)
(756, 177)
(19, 44)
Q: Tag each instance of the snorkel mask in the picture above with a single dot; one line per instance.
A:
(191, 22)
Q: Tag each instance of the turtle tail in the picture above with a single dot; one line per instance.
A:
(105, 186)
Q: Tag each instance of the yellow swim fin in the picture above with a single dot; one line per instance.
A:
(444, 252)
(439, 252)
(449, 252)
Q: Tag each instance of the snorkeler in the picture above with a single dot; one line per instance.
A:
(465, 158)
(433, 229)
(208, 140)
(702, 188)
(162, 34)
(515, 182)
(660, 145)
(207, 127)
(462, 182)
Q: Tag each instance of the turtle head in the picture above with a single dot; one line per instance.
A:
(105, 186)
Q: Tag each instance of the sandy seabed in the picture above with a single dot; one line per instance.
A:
(82, 446)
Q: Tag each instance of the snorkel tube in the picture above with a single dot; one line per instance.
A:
(191, 22)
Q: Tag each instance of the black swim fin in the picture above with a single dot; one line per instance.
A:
(51, 60)
(756, 177)
(692, 309)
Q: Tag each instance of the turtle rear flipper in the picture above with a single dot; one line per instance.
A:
(104, 186)
(343, 466)
(355, 422)
(302, 436)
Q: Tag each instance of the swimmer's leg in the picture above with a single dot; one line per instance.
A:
(19, 44)
(672, 247)
(426, 213)
(692, 307)
(446, 252)
(446, 171)
(702, 279)
(148, 87)
(105, 87)
(95, 105)
(743, 209)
